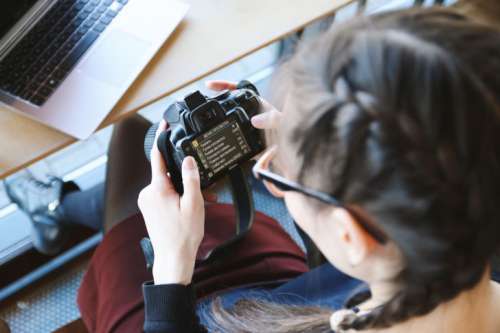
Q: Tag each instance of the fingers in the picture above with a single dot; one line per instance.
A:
(192, 198)
(219, 85)
(158, 166)
(269, 118)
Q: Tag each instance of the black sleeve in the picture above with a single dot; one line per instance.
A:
(170, 308)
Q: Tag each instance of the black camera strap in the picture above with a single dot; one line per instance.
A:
(244, 211)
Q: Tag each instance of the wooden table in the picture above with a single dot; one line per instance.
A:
(214, 34)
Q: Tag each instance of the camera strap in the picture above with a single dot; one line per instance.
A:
(244, 211)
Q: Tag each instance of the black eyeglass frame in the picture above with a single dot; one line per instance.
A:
(287, 185)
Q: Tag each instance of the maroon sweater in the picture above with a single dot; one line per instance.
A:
(111, 297)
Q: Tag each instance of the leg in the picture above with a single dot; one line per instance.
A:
(85, 207)
(53, 206)
(128, 170)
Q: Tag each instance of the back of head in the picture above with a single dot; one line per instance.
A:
(398, 114)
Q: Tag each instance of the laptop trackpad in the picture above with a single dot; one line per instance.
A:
(115, 58)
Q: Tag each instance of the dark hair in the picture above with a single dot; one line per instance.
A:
(398, 114)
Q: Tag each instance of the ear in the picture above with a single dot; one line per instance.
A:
(357, 243)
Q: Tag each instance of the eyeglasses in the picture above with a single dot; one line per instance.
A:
(261, 171)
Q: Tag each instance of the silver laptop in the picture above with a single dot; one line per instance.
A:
(66, 63)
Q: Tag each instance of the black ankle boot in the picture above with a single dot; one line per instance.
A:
(42, 202)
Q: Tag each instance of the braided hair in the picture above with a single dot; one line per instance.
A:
(398, 114)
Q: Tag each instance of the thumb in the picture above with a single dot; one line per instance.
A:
(191, 180)
(268, 119)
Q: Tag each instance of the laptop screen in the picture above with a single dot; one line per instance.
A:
(11, 11)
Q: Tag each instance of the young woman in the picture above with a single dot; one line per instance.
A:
(387, 156)
(386, 151)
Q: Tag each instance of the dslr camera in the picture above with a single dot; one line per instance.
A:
(216, 131)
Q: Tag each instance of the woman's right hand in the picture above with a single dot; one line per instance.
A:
(267, 119)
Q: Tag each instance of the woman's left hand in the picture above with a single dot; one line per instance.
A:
(175, 224)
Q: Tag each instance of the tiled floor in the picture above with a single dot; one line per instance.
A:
(44, 311)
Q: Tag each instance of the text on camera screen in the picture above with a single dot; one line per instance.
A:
(221, 147)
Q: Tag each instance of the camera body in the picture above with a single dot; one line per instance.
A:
(216, 131)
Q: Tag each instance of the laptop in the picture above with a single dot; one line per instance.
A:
(66, 63)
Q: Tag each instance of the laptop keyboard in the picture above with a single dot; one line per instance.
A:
(38, 64)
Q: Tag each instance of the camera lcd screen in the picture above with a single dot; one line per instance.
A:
(221, 147)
